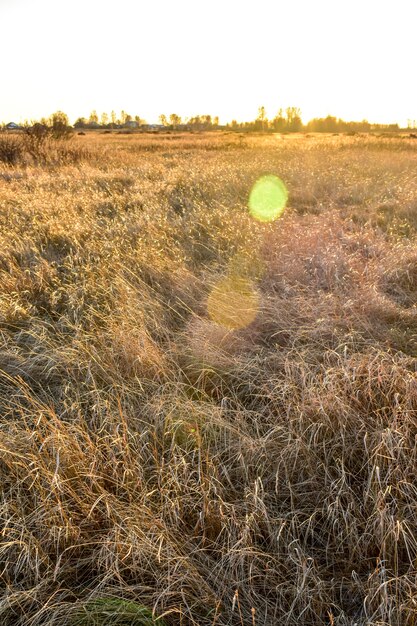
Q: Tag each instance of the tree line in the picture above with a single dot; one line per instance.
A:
(287, 120)
(124, 119)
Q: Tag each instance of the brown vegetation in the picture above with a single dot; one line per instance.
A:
(152, 460)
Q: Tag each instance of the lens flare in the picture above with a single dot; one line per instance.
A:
(233, 302)
(268, 198)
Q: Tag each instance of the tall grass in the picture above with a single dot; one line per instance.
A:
(28, 149)
(157, 467)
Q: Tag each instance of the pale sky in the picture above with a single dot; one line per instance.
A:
(354, 59)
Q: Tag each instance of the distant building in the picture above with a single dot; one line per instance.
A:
(152, 127)
(131, 124)
(12, 126)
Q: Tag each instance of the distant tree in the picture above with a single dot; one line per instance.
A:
(327, 124)
(365, 126)
(93, 119)
(104, 119)
(80, 122)
(332, 124)
(138, 120)
(59, 125)
(215, 121)
(124, 117)
(163, 120)
(113, 118)
(279, 122)
(262, 119)
(59, 117)
(294, 122)
(196, 122)
(174, 120)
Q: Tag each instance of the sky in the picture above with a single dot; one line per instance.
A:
(355, 59)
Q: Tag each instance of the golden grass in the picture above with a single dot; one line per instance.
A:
(152, 460)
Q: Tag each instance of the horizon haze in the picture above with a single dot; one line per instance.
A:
(354, 63)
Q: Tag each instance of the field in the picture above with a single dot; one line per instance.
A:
(204, 416)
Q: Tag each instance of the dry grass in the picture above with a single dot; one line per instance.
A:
(153, 461)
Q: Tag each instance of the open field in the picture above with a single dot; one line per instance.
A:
(153, 456)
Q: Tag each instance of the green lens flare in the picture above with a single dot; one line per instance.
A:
(268, 198)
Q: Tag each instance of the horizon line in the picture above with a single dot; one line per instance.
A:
(410, 122)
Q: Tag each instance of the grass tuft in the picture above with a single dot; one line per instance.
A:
(113, 612)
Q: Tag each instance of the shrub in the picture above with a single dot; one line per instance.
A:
(10, 150)
(44, 144)
(35, 140)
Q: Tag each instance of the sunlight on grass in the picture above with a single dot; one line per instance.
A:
(268, 198)
(233, 302)
(159, 466)
(247, 264)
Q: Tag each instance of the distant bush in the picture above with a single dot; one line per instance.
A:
(46, 144)
(10, 150)
(35, 139)
(40, 136)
